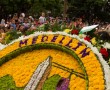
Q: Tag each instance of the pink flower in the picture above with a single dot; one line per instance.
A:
(63, 84)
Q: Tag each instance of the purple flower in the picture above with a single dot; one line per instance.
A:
(63, 84)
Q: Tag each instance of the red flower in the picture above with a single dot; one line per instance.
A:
(87, 38)
(75, 32)
(104, 52)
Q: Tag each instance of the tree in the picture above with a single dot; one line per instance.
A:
(90, 8)
(74, 8)
(13, 6)
(55, 6)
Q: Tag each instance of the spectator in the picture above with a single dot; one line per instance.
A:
(13, 24)
(104, 36)
(21, 19)
(2, 22)
(2, 34)
(108, 29)
(26, 23)
(22, 29)
(42, 18)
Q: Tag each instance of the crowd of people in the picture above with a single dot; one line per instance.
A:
(22, 23)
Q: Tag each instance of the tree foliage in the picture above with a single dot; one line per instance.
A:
(90, 8)
(46, 5)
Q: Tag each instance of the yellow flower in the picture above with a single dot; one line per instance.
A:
(67, 30)
(93, 40)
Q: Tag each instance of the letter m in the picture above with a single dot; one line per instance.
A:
(23, 42)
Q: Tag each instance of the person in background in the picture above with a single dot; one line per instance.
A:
(36, 22)
(21, 19)
(2, 22)
(23, 14)
(23, 29)
(107, 29)
(31, 19)
(42, 18)
(15, 17)
(2, 34)
(13, 24)
(74, 23)
(26, 23)
(33, 25)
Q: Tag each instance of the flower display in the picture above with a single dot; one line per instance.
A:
(30, 61)
(23, 66)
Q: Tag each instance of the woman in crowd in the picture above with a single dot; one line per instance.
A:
(2, 34)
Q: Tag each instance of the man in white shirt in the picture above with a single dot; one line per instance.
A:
(3, 22)
(42, 18)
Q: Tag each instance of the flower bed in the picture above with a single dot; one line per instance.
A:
(85, 61)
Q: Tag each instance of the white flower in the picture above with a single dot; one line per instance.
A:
(101, 40)
(107, 45)
(2, 46)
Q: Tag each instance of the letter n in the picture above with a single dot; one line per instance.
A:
(84, 53)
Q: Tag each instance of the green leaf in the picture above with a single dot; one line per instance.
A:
(51, 83)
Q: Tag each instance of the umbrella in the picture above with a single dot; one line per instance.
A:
(88, 28)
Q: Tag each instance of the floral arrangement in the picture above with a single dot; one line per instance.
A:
(88, 65)
(29, 66)
(102, 46)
